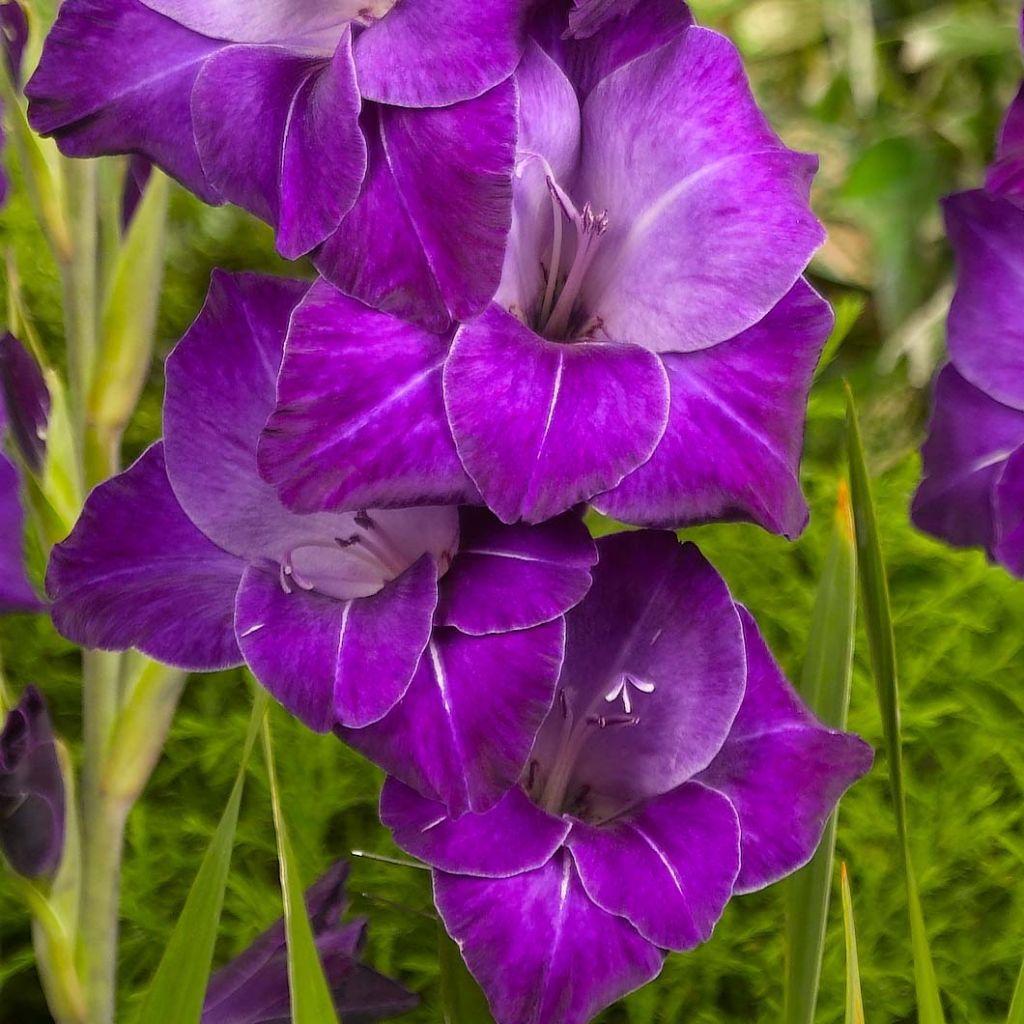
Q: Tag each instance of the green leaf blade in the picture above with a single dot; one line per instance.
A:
(462, 1000)
(854, 997)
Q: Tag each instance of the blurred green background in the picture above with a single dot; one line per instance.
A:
(902, 100)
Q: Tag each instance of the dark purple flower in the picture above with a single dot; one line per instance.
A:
(652, 342)
(26, 399)
(190, 557)
(381, 133)
(677, 767)
(31, 790)
(973, 488)
(13, 37)
(253, 988)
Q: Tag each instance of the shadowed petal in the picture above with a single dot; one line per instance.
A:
(541, 425)
(513, 836)
(425, 54)
(513, 577)
(115, 77)
(16, 593)
(1009, 511)
(735, 428)
(658, 637)
(1006, 175)
(463, 731)
(709, 222)
(970, 437)
(782, 770)
(540, 949)
(136, 572)
(25, 399)
(986, 333)
(329, 661)
(278, 134)
(353, 380)
(668, 868)
(426, 238)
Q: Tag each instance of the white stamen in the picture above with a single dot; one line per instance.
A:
(621, 689)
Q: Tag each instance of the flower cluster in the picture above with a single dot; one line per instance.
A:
(561, 258)
(972, 494)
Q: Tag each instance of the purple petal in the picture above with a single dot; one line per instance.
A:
(14, 35)
(668, 868)
(514, 577)
(31, 789)
(659, 637)
(459, 742)
(26, 400)
(513, 836)
(1009, 512)
(541, 425)
(446, 52)
(278, 134)
(986, 334)
(970, 437)
(1006, 176)
(540, 949)
(115, 77)
(717, 227)
(135, 572)
(353, 380)
(330, 661)
(16, 593)
(310, 22)
(426, 238)
(782, 770)
(735, 428)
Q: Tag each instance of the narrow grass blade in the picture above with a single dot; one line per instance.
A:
(825, 685)
(848, 310)
(310, 995)
(1016, 1015)
(178, 988)
(854, 998)
(461, 999)
(882, 649)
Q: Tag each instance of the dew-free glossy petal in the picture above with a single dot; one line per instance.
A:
(136, 572)
(115, 77)
(541, 950)
(781, 769)
(513, 577)
(709, 222)
(986, 332)
(463, 731)
(668, 867)
(513, 836)
(426, 238)
(329, 661)
(970, 437)
(352, 381)
(278, 134)
(425, 54)
(735, 428)
(659, 614)
(541, 425)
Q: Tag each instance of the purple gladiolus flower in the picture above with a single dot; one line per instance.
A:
(13, 37)
(651, 343)
(677, 767)
(379, 134)
(973, 489)
(253, 989)
(31, 790)
(346, 618)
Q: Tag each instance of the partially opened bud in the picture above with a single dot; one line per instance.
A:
(31, 790)
(26, 400)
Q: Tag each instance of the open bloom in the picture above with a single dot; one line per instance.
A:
(189, 556)
(677, 767)
(973, 489)
(651, 342)
(253, 988)
(379, 134)
(31, 790)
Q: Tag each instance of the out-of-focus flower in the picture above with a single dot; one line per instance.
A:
(31, 790)
(677, 767)
(358, 621)
(380, 135)
(13, 37)
(253, 988)
(651, 343)
(972, 494)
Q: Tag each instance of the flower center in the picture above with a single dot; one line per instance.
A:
(559, 316)
(554, 789)
(366, 12)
